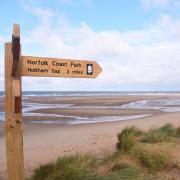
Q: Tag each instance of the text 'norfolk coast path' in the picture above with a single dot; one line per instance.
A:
(58, 67)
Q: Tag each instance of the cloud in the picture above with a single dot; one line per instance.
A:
(155, 3)
(43, 14)
(87, 3)
(67, 2)
(148, 4)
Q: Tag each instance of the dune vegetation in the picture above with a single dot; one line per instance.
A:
(139, 156)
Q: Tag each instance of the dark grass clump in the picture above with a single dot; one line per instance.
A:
(83, 168)
(126, 139)
(155, 136)
(75, 167)
(67, 168)
(155, 162)
(168, 129)
(178, 132)
(43, 172)
(163, 134)
(127, 173)
(154, 157)
(119, 166)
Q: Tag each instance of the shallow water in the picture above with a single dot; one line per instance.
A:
(164, 105)
(92, 119)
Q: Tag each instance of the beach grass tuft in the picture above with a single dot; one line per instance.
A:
(126, 139)
(82, 168)
(156, 136)
(162, 134)
(155, 161)
(168, 129)
(127, 173)
(68, 167)
(155, 157)
(43, 172)
(178, 132)
(119, 166)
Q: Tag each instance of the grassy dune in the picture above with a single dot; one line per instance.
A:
(139, 156)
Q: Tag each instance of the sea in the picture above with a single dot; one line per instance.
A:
(94, 93)
(171, 104)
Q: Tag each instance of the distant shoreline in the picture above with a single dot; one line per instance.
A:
(94, 93)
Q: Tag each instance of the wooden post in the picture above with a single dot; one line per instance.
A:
(14, 138)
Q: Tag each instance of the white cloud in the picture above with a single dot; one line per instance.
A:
(67, 2)
(87, 3)
(154, 3)
(147, 4)
(44, 14)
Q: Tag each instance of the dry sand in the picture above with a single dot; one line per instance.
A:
(45, 142)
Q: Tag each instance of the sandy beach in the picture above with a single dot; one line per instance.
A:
(45, 142)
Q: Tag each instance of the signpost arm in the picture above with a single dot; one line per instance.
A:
(14, 140)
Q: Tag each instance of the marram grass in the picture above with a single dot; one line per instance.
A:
(154, 157)
(162, 134)
(126, 139)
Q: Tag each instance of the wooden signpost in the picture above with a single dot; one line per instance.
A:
(17, 66)
(13, 110)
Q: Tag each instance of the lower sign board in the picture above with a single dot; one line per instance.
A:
(58, 67)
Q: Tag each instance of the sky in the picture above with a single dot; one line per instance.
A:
(136, 42)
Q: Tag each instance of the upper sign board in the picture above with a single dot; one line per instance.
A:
(58, 67)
